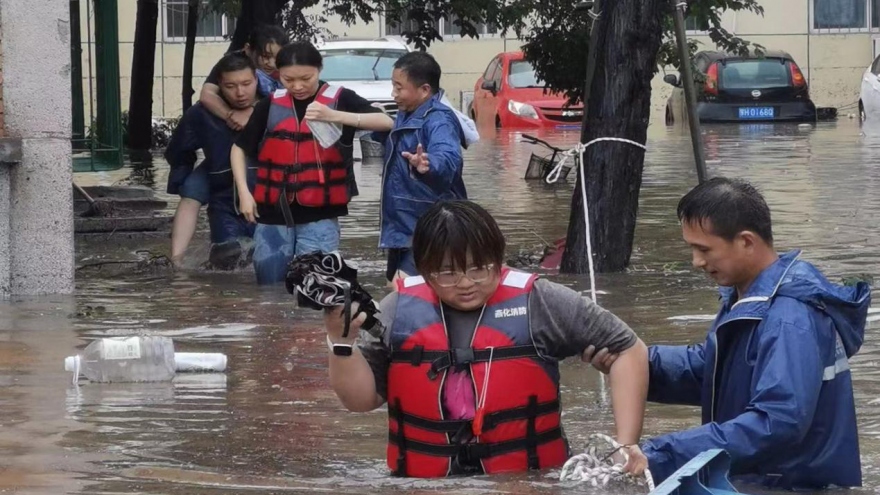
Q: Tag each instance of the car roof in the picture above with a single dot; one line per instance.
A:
(718, 55)
(350, 43)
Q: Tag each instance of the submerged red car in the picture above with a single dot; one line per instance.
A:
(509, 95)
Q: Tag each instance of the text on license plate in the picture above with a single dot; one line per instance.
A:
(756, 112)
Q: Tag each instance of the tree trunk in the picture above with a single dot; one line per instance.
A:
(626, 42)
(140, 103)
(192, 24)
(254, 13)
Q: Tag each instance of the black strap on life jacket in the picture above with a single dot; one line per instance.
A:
(473, 451)
(401, 443)
(531, 433)
(460, 357)
(490, 421)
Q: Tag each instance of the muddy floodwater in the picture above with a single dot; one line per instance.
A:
(271, 424)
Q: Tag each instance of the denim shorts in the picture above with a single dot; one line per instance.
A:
(197, 186)
(276, 245)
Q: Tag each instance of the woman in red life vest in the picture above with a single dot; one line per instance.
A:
(466, 356)
(305, 175)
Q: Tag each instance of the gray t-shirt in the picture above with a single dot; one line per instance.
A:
(563, 324)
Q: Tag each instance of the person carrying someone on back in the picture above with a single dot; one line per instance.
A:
(263, 45)
(468, 358)
(773, 375)
(211, 182)
(305, 174)
(423, 158)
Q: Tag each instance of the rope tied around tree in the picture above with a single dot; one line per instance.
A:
(596, 467)
(553, 176)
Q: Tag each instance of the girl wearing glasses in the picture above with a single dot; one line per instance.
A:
(467, 358)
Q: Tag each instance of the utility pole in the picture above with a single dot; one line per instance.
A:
(690, 93)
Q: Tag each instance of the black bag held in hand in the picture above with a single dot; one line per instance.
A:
(324, 280)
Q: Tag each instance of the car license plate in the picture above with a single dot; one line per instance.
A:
(756, 113)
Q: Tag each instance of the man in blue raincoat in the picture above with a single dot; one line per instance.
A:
(773, 375)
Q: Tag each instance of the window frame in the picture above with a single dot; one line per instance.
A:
(694, 32)
(441, 28)
(867, 28)
(167, 38)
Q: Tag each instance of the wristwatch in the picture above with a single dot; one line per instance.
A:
(340, 349)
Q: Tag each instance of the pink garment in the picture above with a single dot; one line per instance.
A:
(458, 396)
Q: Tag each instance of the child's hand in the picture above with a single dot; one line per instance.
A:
(418, 160)
(239, 118)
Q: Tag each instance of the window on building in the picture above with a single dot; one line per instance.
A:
(212, 26)
(452, 29)
(695, 25)
(445, 26)
(405, 24)
(846, 15)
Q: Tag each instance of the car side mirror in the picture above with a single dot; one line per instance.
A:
(490, 86)
(671, 79)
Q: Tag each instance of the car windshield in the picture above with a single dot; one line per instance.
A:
(755, 74)
(356, 64)
(522, 75)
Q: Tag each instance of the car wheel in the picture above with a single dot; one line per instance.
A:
(669, 118)
(862, 115)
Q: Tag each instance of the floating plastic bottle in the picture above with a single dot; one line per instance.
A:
(138, 359)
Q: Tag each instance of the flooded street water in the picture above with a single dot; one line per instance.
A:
(271, 424)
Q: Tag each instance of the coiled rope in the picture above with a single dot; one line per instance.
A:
(596, 466)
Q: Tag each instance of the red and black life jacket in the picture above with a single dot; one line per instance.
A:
(291, 163)
(518, 428)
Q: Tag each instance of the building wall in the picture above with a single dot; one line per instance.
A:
(833, 63)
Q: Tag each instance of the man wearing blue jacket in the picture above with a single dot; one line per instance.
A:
(773, 375)
(423, 159)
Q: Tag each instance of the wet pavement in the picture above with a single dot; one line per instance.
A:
(271, 424)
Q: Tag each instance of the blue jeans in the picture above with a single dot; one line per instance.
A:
(225, 223)
(276, 245)
(197, 186)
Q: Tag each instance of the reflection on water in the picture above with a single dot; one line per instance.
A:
(270, 424)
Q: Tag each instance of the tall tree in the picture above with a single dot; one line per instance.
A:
(192, 26)
(624, 49)
(140, 103)
(633, 40)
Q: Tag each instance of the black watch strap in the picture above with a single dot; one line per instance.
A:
(342, 349)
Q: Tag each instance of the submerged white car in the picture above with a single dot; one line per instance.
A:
(363, 66)
(869, 98)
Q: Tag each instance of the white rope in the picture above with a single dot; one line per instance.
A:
(598, 469)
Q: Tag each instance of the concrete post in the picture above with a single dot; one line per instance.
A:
(36, 197)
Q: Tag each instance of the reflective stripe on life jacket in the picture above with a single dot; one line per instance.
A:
(518, 426)
(292, 164)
